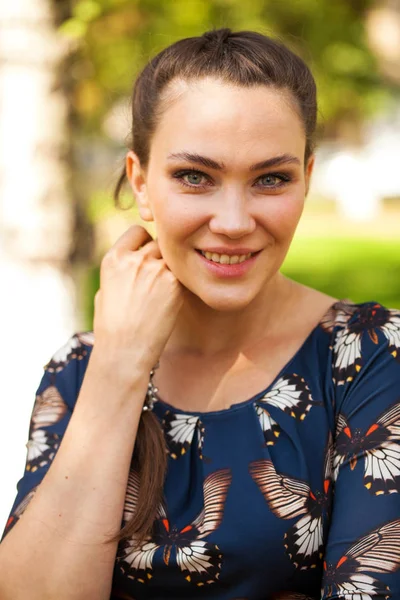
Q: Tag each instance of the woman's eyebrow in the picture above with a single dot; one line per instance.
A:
(275, 161)
(197, 159)
(205, 161)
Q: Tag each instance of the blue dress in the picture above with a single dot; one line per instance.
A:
(290, 492)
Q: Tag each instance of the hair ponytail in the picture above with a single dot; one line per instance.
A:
(150, 462)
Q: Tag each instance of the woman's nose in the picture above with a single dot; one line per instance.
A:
(231, 216)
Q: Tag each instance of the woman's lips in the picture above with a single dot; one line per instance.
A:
(227, 270)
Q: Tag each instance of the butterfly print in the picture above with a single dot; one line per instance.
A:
(291, 394)
(380, 447)
(376, 552)
(347, 353)
(42, 447)
(179, 430)
(391, 330)
(20, 509)
(198, 560)
(76, 347)
(338, 315)
(49, 408)
(269, 427)
(370, 320)
(288, 498)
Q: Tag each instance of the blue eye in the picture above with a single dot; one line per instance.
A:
(192, 178)
(273, 180)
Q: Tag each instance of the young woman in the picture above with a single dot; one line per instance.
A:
(261, 459)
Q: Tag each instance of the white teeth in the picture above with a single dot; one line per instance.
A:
(224, 259)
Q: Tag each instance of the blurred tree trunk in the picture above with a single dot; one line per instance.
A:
(383, 29)
(37, 301)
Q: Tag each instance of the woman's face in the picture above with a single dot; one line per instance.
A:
(226, 175)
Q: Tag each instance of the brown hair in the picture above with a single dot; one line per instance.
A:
(243, 58)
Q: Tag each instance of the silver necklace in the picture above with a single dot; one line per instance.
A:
(151, 394)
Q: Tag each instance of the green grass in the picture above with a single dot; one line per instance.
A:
(354, 268)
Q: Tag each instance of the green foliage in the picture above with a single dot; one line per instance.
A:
(117, 37)
(354, 268)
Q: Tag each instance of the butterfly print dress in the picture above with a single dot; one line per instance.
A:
(293, 493)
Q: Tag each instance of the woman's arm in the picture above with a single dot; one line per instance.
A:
(57, 550)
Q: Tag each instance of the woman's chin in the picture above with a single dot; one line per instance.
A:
(223, 301)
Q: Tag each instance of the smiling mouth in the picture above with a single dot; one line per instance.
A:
(225, 259)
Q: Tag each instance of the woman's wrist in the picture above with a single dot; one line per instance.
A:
(125, 377)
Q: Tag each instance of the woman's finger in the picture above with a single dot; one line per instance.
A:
(151, 249)
(132, 239)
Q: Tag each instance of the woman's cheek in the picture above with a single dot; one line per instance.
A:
(178, 219)
(283, 216)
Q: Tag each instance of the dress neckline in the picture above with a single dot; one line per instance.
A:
(334, 307)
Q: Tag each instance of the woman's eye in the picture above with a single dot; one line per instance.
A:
(272, 180)
(193, 178)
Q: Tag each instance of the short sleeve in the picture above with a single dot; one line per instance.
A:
(54, 403)
(362, 557)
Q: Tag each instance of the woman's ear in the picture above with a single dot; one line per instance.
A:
(137, 179)
(309, 170)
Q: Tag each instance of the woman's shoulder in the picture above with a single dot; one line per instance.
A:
(64, 372)
(77, 348)
(364, 335)
(364, 317)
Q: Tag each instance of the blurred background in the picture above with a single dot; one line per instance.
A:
(66, 73)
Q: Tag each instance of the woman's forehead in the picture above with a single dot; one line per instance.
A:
(210, 116)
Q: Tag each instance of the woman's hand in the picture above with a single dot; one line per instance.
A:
(137, 304)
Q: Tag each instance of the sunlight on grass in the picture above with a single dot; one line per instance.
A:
(354, 268)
